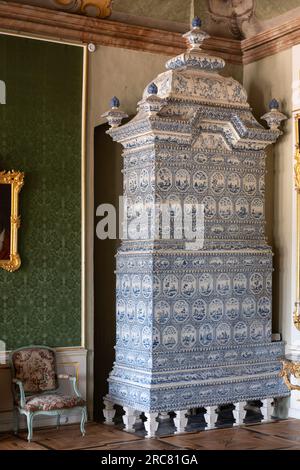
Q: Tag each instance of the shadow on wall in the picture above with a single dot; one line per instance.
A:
(108, 187)
(259, 98)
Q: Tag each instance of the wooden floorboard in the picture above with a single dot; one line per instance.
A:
(144, 444)
(229, 439)
(288, 429)
(69, 437)
(9, 442)
(281, 435)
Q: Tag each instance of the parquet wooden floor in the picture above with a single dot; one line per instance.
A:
(281, 435)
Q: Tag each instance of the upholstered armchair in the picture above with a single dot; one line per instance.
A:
(36, 387)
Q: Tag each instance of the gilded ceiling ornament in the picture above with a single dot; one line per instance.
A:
(103, 8)
(98, 8)
(66, 2)
(73, 5)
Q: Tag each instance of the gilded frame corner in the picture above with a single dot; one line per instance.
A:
(16, 180)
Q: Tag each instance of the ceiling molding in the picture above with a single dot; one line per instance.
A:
(24, 19)
(271, 41)
(59, 25)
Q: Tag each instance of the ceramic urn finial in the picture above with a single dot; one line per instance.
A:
(151, 103)
(274, 117)
(114, 116)
(196, 35)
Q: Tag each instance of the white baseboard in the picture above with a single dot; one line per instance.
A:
(294, 413)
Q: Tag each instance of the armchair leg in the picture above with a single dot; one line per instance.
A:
(29, 417)
(58, 421)
(16, 421)
(83, 421)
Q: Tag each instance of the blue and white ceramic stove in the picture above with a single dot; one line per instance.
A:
(194, 327)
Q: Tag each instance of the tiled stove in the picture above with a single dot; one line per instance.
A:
(194, 326)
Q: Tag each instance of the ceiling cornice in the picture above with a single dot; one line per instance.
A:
(271, 41)
(58, 25)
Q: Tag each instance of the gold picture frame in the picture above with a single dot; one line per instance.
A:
(11, 183)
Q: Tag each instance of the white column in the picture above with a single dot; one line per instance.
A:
(129, 418)
(151, 424)
(180, 421)
(239, 413)
(210, 417)
(108, 412)
(267, 409)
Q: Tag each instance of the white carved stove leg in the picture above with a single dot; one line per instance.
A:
(239, 413)
(267, 409)
(210, 417)
(180, 421)
(151, 424)
(129, 418)
(108, 412)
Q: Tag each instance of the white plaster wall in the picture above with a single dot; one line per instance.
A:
(275, 76)
(263, 80)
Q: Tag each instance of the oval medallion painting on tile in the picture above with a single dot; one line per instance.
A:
(194, 324)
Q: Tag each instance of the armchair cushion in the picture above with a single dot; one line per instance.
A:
(35, 368)
(52, 402)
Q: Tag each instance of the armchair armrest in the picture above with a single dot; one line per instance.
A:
(22, 393)
(74, 382)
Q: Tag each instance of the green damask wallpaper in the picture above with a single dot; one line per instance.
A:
(40, 134)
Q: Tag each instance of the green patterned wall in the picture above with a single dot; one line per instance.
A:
(40, 134)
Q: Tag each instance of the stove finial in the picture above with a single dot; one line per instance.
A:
(114, 116)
